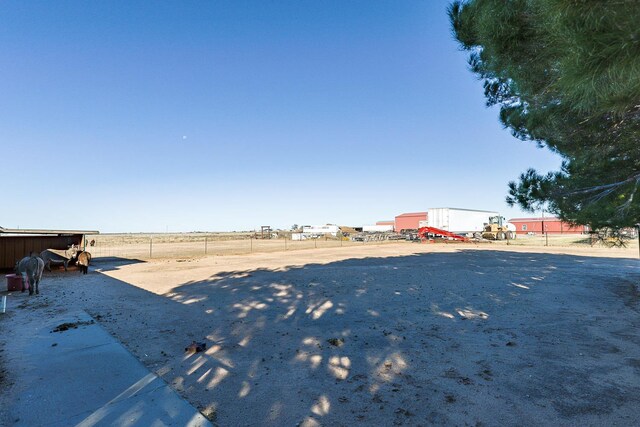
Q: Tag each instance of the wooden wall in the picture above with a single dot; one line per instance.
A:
(14, 248)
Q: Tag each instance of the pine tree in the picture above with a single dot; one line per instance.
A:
(566, 75)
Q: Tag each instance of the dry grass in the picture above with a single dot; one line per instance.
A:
(176, 245)
(567, 240)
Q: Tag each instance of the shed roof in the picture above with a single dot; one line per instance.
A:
(467, 210)
(44, 232)
(412, 214)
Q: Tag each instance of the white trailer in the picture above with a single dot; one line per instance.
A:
(458, 220)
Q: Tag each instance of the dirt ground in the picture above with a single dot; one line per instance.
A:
(375, 335)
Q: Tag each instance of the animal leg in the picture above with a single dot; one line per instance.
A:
(31, 283)
(39, 279)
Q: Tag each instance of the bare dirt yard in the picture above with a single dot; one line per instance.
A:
(396, 334)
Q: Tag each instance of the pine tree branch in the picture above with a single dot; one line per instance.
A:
(625, 207)
(605, 188)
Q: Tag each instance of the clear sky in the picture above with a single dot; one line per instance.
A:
(226, 115)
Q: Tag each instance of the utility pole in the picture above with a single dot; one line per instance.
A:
(546, 236)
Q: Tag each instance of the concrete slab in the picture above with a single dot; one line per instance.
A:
(84, 377)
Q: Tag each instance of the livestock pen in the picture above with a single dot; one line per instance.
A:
(17, 243)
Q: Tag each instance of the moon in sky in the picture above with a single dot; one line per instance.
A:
(184, 136)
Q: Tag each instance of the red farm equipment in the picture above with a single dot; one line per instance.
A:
(425, 232)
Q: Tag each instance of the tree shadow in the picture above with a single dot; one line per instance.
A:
(418, 339)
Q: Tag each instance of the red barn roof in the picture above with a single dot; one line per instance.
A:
(412, 214)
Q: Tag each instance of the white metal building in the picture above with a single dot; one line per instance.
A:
(321, 229)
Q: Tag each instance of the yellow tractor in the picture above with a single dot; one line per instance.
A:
(496, 229)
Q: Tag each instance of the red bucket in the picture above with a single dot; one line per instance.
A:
(15, 283)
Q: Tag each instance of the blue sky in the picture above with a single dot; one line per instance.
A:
(227, 115)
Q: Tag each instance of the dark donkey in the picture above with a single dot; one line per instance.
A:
(31, 267)
(51, 258)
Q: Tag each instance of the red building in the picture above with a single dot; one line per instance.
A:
(552, 225)
(409, 221)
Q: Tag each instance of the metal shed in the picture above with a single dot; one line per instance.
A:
(17, 243)
(409, 221)
(550, 225)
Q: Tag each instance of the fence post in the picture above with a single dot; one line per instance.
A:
(151, 247)
(251, 244)
(315, 243)
(205, 245)
(285, 243)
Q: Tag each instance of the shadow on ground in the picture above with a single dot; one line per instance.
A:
(472, 337)
(104, 264)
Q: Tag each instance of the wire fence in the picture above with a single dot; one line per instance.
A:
(137, 246)
(148, 247)
(573, 240)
